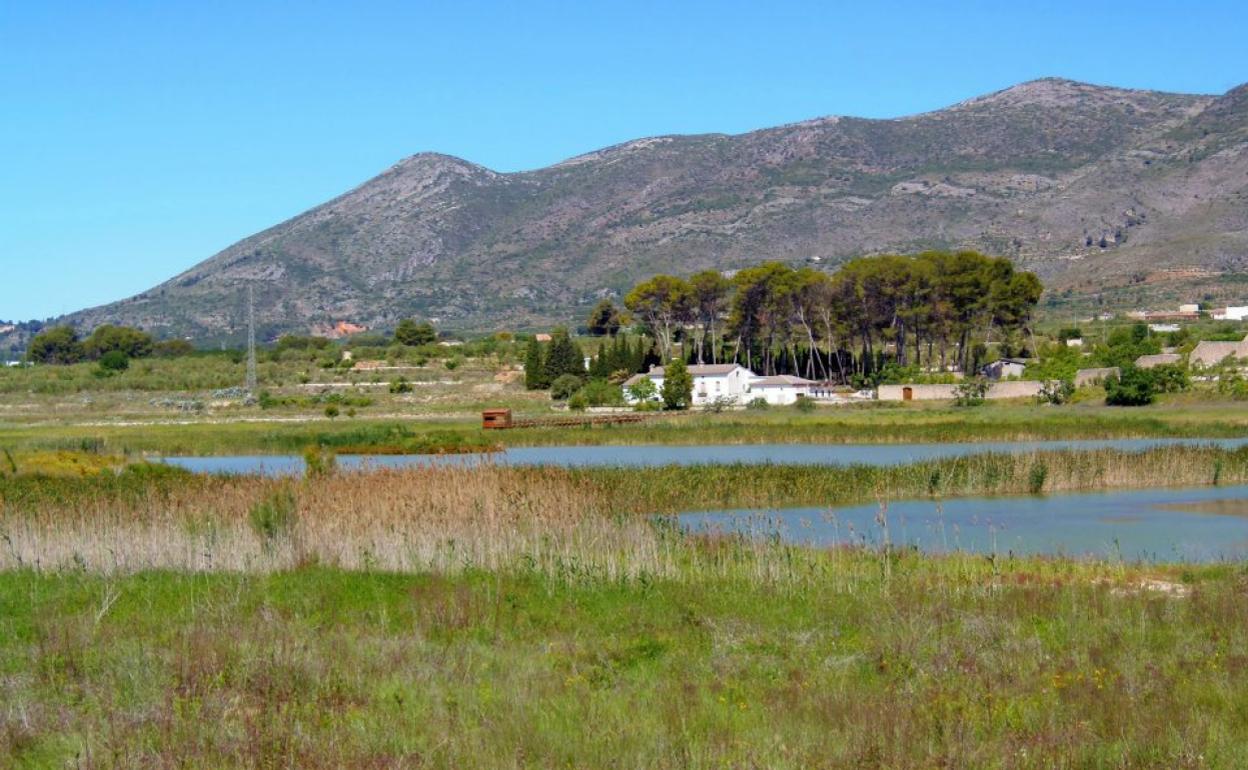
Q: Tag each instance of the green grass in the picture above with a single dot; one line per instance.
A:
(952, 662)
(871, 424)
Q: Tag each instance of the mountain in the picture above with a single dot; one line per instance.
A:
(1119, 195)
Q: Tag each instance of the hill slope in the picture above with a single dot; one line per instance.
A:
(1096, 188)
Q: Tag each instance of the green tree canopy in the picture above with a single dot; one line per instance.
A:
(677, 385)
(414, 334)
(134, 343)
(604, 319)
(563, 356)
(534, 366)
(58, 345)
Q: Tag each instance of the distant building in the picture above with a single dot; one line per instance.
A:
(781, 389)
(542, 337)
(1163, 328)
(1159, 359)
(732, 384)
(710, 382)
(1207, 354)
(1230, 313)
(1096, 376)
(1074, 342)
(1189, 308)
(1004, 368)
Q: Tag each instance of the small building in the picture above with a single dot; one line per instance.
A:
(1230, 313)
(781, 389)
(1074, 342)
(711, 383)
(1159, 359)
(1004, 368)
(1163, 328)
(495, 419)
(1189, 308)
(1207, 354)
(542, 337)
(1096, 376)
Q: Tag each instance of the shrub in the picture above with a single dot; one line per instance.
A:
(804, 404)
(452, 364)
(1170, 378)
(758, 403)
(115, 361)
(1136, 387)
(601, 393)
(578, 402)
(970, 392)
(331, 411)
(564, 386)
(1056, 392)
(401, 385)
(643, 390)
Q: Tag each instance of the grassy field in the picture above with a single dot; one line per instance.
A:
(952, 662)
(530, 617)
(423, 433)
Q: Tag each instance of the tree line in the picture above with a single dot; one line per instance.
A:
(931, 310)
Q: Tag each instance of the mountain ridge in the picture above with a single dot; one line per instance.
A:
(1088, 185)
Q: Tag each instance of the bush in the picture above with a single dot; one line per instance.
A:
(970, 392)
(1136, 387)
(643, 390)
(758, 403)
(564, 386)
(114, 361)
(601, 393)
(578, 402)
(401, 385)
(331, 411)
(1170, 378)
(1056, 392)
(804, 404)
(172, 349)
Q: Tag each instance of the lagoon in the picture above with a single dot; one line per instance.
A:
(658, 455)
(1205, 524)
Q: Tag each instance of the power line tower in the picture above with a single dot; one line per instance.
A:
(251, 341)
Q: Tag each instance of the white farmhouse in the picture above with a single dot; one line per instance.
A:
(710, 382)
(730, 384)
(781, 389)
(1229, 313)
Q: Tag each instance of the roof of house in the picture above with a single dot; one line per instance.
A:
(1159, 359)
(1210, 353)
(695, 370)
(779, 381)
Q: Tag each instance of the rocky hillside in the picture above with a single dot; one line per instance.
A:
(1127, 195)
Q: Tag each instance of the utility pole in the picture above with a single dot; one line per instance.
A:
(251, 341)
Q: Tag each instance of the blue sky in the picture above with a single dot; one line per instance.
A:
(139, 138)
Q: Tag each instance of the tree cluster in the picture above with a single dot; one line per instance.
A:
(62, 345)
(932, 310)
(413, 334)
(544, 364)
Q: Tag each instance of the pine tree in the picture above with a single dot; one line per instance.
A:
(677, 385)
(563, 357)
(534, 367)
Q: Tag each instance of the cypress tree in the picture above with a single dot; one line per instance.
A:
(534, 368)
(563, 357)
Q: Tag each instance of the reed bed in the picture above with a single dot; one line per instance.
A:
(553, 520)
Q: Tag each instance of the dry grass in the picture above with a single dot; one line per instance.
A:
(495, 518)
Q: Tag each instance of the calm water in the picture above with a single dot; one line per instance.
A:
(1156, 525)
(757, 454)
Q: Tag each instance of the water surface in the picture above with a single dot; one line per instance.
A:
(652, 455)
(1205, 524)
